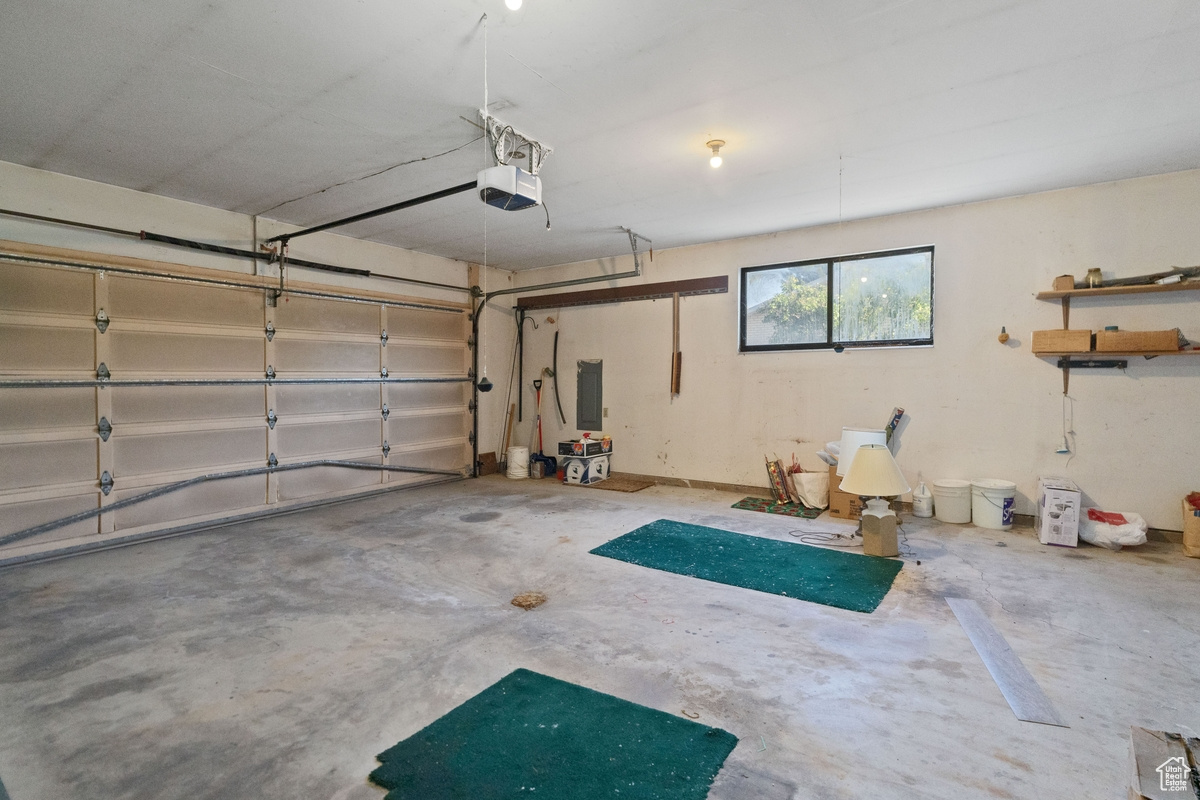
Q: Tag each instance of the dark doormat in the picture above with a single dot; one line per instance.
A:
(830, 577)
(772, 507)
(530, 735)
(617, 483)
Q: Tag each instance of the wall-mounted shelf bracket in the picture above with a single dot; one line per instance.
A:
(1092, 363)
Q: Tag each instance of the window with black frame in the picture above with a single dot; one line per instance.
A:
(867, 300)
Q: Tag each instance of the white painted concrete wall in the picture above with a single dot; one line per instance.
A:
(976, 408)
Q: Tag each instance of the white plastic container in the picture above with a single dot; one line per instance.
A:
(518, 462)
(922, 501)
(992, 503)
(952, 500)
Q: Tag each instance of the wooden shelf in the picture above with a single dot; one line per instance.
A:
(1099, 355)
(1093, 358)
(1105, 291)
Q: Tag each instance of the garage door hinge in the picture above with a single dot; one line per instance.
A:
(383, 338)
(270, 329)
(471, 437)
(471, 373)
(387, 448)
(271, 419)
(106, 482)
(470, 342)
(105, 429)
(471, 406)
(102, 373)
(270, 372)
(272, 461)
(102, 321)
(386, 411)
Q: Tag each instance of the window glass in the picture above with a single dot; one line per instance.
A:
(863, 300)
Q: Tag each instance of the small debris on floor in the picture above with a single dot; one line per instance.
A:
(529, 600)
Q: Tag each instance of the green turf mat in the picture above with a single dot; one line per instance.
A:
(771, 507)
(530, 735)
(830, 577)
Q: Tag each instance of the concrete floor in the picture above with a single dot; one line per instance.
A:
(275, 658)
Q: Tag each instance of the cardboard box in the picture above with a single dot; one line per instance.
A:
(593, 447)
(1064, 282)
(585, 469)
(1059, 503)
(1062, 341)
(1191, 530)
(1136, 341)
(841, 504)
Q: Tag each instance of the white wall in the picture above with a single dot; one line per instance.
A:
(976, 408)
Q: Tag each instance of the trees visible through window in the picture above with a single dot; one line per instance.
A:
(853, 301)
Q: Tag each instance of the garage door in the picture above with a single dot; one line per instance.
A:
(138, 403)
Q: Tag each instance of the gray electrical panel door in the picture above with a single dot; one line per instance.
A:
(589, 396)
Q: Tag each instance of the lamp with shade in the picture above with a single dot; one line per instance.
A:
(875, 474)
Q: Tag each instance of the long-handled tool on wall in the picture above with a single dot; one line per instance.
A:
(676, 356)
(549, 464)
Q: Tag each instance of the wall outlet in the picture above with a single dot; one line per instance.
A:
(606, 413)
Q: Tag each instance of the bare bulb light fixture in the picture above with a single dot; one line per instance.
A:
(715, 145)
(513, 5)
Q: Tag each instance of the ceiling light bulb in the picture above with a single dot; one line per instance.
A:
(715, 145)
(513, 5)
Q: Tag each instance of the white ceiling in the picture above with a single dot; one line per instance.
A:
(831, 108)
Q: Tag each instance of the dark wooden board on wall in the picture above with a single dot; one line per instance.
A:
(718, 284)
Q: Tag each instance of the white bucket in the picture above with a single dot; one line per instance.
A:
(952, 500)
(518, 462)
(992, 503)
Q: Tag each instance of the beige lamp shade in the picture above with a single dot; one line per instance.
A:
(874, 473)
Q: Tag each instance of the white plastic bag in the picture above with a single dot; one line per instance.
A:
(1108, 530)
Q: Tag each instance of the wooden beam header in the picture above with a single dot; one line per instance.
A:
(718, 284)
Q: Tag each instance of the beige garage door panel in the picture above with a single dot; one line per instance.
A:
(312, 314)
(175, 403)
(216, 497)
(21, 516)
(47, 349)
(450, 457)
(24, 466)
(25, 409)
(38, 289)
(415, 430)
(294, 400)
(164, 329)
(188, 450)
(147, 299)
(306, 440)
(420, 324)
(324, 480)
(428, 395)
(298, 355)
(167, 353)
(415, 359)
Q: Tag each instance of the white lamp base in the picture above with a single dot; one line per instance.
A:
(879, 529)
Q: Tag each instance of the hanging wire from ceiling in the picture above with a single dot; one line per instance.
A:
(507, 143)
